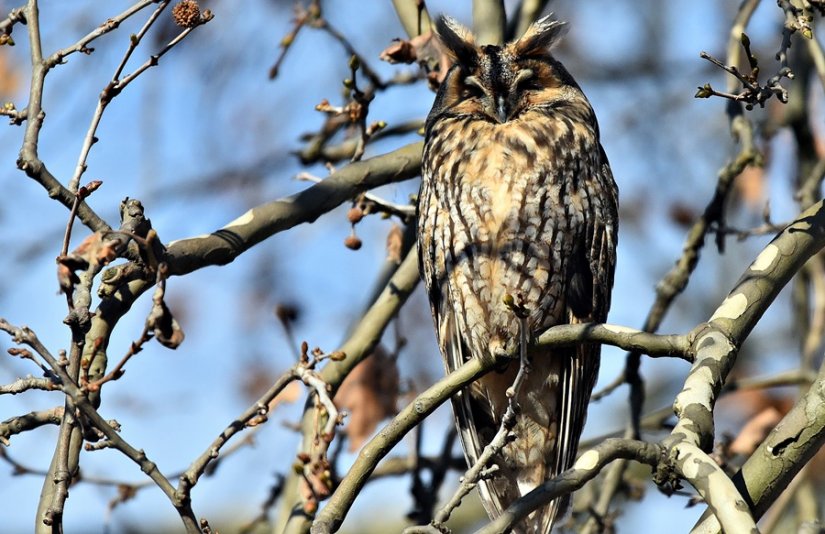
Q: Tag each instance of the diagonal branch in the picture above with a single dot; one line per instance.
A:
(224, 245)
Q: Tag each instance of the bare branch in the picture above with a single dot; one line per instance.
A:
(586, 468)
(261, 222)
(30, 421)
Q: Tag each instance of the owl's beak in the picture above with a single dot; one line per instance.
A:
(502, 109)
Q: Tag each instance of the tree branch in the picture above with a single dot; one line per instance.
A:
(224, 245)
(587, 467)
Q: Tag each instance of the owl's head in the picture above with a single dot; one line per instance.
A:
(500, 83)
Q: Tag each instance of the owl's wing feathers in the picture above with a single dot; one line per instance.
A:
(476, 425)
(455, 353)
(588, 300)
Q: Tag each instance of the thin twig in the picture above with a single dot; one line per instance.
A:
(117, 85)
(78, 396)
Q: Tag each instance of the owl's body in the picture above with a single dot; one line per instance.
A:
(517, 199)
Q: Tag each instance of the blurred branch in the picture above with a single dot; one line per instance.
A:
(224, 245)
(314, 151)
(403, 465)
(354, 112)
(489, 21)
(780, 507)
(301, 18)
(403, 211)
(528, 12)
(413, 15)
(817, 57)
(30, 421)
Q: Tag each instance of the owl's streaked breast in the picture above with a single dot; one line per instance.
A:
(502, 215)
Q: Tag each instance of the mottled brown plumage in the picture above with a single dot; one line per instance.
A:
(517, 199)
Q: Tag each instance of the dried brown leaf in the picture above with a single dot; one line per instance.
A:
(291, 393)
(750, 185)
(96, 250)
(395, 242)
(370, 395)
(755, 431)
(424, 49)
(682, 214)
(165, 327)
(66, 279)
(400, 51)
(9, 77)
(93, 251)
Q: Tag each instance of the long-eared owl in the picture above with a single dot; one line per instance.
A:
(517, 201)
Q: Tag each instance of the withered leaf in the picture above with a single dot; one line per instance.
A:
(370, 395)
(424, 49)
(755, 431)
(166, 329)
(288, 395)
(750, 185)
(395, 242)
(93, 251)
(400, 51)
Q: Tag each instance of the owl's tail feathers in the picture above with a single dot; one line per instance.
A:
(552, 409)
(523, 464)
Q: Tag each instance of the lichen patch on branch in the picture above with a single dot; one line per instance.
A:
(765, 258)
(731, 308)
(587, 461)
(619, 329)
(244, 219)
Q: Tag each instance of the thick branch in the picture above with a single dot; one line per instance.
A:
(787, 449)
(224, 245)
(489, 21)
(413, 16)
(715, 487)
(586, 468)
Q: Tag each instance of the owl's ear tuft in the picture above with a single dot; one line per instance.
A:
(458, 42)
(540, 37)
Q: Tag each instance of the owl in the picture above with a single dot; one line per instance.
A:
(517, 202)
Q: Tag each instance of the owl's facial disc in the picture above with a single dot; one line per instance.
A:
(502, 83)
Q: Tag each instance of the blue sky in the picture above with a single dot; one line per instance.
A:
(209, 109)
